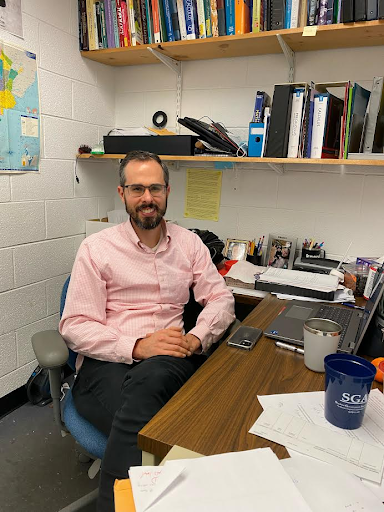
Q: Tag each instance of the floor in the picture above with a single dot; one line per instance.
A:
(39, 470)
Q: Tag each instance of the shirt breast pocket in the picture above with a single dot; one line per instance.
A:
(178, 286)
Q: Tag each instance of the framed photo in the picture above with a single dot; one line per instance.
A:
(236, 249)
(281, 251)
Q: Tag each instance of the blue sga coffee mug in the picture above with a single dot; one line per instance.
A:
(348, 381)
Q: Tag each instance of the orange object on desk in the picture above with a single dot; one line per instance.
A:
(379, 363)
(227, 265)
(123, 496)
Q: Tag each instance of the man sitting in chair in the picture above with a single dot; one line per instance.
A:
(124, 316)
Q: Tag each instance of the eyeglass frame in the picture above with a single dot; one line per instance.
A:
(148, 187)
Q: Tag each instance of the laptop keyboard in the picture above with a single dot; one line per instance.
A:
(340, 315)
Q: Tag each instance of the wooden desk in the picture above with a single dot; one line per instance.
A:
(214, 410)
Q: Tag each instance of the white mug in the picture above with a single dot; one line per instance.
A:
(321, 337)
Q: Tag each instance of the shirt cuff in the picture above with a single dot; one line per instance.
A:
(124, 349)
(203, 333)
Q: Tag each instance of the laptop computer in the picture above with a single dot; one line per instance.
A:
(288, 325)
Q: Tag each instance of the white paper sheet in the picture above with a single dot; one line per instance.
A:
(362, 459)
(245, 271)
(253, 480)
(310, 406)
(328, 488)
(150, 482)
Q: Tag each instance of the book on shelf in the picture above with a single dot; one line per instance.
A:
(277, 144)
(366, 156)
(296, 122)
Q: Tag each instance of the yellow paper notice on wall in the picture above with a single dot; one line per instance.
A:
(203, 194)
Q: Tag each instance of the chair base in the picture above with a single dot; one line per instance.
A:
(85, 504)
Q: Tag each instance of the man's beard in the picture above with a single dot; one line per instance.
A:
(147, 222)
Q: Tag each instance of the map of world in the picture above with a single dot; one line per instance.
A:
(19, 110)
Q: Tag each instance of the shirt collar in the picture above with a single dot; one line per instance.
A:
(132, 235)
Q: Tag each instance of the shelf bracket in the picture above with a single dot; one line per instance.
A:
(175, 66)
(279, 168)
(290, 56)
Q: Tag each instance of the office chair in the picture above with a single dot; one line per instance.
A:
(52, 353)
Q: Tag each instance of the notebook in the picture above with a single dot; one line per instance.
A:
(288, 325)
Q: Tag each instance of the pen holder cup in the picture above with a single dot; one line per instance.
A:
(255, 259)
(311, 253)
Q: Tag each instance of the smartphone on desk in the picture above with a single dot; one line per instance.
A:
(245, 337)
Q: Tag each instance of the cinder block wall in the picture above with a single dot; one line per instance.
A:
(42, 216)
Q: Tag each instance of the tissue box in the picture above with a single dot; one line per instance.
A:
(96, 225)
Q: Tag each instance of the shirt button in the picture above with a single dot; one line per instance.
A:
(122, 360)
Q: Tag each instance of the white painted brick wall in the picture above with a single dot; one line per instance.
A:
(42, 215)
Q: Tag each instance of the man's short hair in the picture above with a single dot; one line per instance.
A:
(142, 156)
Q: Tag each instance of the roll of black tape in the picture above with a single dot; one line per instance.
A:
(163, 119)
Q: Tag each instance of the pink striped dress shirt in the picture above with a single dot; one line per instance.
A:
(120, 290)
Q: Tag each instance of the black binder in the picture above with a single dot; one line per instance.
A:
(347, 11)
(372, 10)
(380, 9)
(360, 10)
(277, 145)
(277, 11)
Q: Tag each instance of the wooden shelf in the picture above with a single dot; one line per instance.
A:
(248, 160)
(351, 35)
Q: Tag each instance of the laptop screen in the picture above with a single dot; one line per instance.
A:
(370, 308)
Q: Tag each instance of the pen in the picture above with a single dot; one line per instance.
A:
(289, 347)
(351, 305)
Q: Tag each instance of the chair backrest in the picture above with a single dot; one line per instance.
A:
(72, 355)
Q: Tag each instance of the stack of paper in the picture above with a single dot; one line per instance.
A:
(241, 482)
(242, 274)
(299, 279)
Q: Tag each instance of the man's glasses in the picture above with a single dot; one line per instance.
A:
(138, 190)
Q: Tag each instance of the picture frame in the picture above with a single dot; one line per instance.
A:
(236, 249)
(281, 251)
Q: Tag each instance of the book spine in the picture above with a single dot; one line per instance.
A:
(131, 23)
(256, 16)
(348, 123)
(156, 21)
(241, 16)
(319, 118)
(98, 25)
(230, 17)
(109, 24)
(295, 13)
(175, 20)
(214, 20)
(322, 20)
(288, 11)
(259, 103)
(90, 25)
(221, 17)
(103, 25)
(144, 23)
(163, 28)
(168, 20)
(120, 23)
(148, 8)
(295, 126)
(189, 19)
(312, 12)
(81, 42)
(181, 14)
(115, 25)
(84, 25)
(201, 19)
(308, 140)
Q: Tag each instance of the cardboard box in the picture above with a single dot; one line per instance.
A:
(96, 225)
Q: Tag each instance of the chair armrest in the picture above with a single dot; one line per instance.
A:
(50, 349)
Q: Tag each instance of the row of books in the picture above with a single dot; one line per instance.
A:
(326, 12)
(328, 120)
(122, 23)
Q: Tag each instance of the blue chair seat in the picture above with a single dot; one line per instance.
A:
(91, 439)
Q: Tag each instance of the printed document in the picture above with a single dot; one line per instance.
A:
(309, 280)
(219, 483)
(362, 459)
(344, 492)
